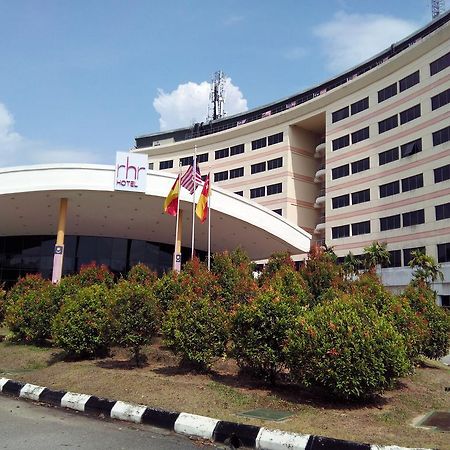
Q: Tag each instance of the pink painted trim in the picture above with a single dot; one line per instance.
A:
(389, 107)
(392, 240)
(376, 145)
(385, 173)
(389, 206)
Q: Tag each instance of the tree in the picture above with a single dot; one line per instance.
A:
(351, 264)
(376, 254)
(425, 268)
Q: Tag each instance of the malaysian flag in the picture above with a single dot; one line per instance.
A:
(290, 105)
(187, 180)
(241, 122)
(266, 114)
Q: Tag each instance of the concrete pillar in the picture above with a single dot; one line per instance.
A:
(58, 255)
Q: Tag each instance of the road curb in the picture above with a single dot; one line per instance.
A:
(233, 434)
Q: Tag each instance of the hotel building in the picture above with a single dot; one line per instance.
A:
(362, 157)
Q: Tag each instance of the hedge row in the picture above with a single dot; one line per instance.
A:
(316, 326)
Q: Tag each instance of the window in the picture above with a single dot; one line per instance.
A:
(441, 136)
(274, 189)
(443, 252)
(361, 228)
(409, 81)
(413, 218)
(339, 172)
(440, 100)
(187, 161)
(258, 192)
(359, 106)
(236, 149)
(388, 189)
(410, 114)
(445, 301)
(360, 135)
(388, 156)
(274, 163)
(442, 211)
(165, 164)
(360, 196)
(411, 148)
(340, 114)
(223, 153)
(440, 64)
(275, 139)
(411, 183)
(340, 201)
(407, 254)
(259, 143)
(341, 142)
(258, 167)
(361, 165)
(395, 259)
(387, 124)
(241, 193)
(387, 92)
(442, 174)
(202, 158)
(390, 222)
(236, 173)
(340, 232)
(278, 211)
(221, 176)
(150, 166)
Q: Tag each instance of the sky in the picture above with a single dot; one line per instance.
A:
(79, 80)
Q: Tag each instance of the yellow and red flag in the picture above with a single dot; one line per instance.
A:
(202, 206)
(171, 202)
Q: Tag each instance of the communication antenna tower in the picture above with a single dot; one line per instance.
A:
(216, 98)
(437, 7)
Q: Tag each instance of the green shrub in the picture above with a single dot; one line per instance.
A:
(197, 279)
(276, 262)
(259, 331)
(368, 286)
(234, 276)
(81, 327)
(91, 274)
(2, 302)
(167, 289)
(30, 309)
(134, 316)
(347, 349)
(423, 301)
(142, 274)
(321, 273)
(196, 329)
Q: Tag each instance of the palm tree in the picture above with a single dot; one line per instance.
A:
(376, 254)
(351, 264)
(425, 268)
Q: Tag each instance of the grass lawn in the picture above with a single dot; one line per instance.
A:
(224, 392)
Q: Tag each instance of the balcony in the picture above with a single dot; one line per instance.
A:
(320, 200)
(320, 150)
(320, 174)
(320, 227)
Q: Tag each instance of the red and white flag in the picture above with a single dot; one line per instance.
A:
(187, 180)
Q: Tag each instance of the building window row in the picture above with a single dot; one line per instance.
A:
(442, 211)
(440, 99)
(442, 173)
(443, 251)
(225, 152)
(357, 197)
(440, 64)
(166, 164)
(404, 84)
(357, 229)
(441, 136)
(265, 141)
(233, 173)
(269, 165)
(408, 184)
(271, 189)
(405, 116)
(355, 108)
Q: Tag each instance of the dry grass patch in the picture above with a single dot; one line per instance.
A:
(224, 392)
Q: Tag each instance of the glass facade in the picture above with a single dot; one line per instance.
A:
(20, 255)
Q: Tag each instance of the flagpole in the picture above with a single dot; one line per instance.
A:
(209, 223)
(194, 166)
(177, 250)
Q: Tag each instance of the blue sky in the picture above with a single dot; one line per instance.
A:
(80, 79)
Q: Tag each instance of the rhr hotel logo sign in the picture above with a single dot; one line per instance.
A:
(131, 172)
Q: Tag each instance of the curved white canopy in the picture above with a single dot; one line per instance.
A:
(29, 205)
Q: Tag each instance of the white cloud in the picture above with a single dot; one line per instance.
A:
(349, 39)
(233, 20)
(188, 103)
(16, 149)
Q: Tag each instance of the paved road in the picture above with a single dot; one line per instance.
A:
(24, 425)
